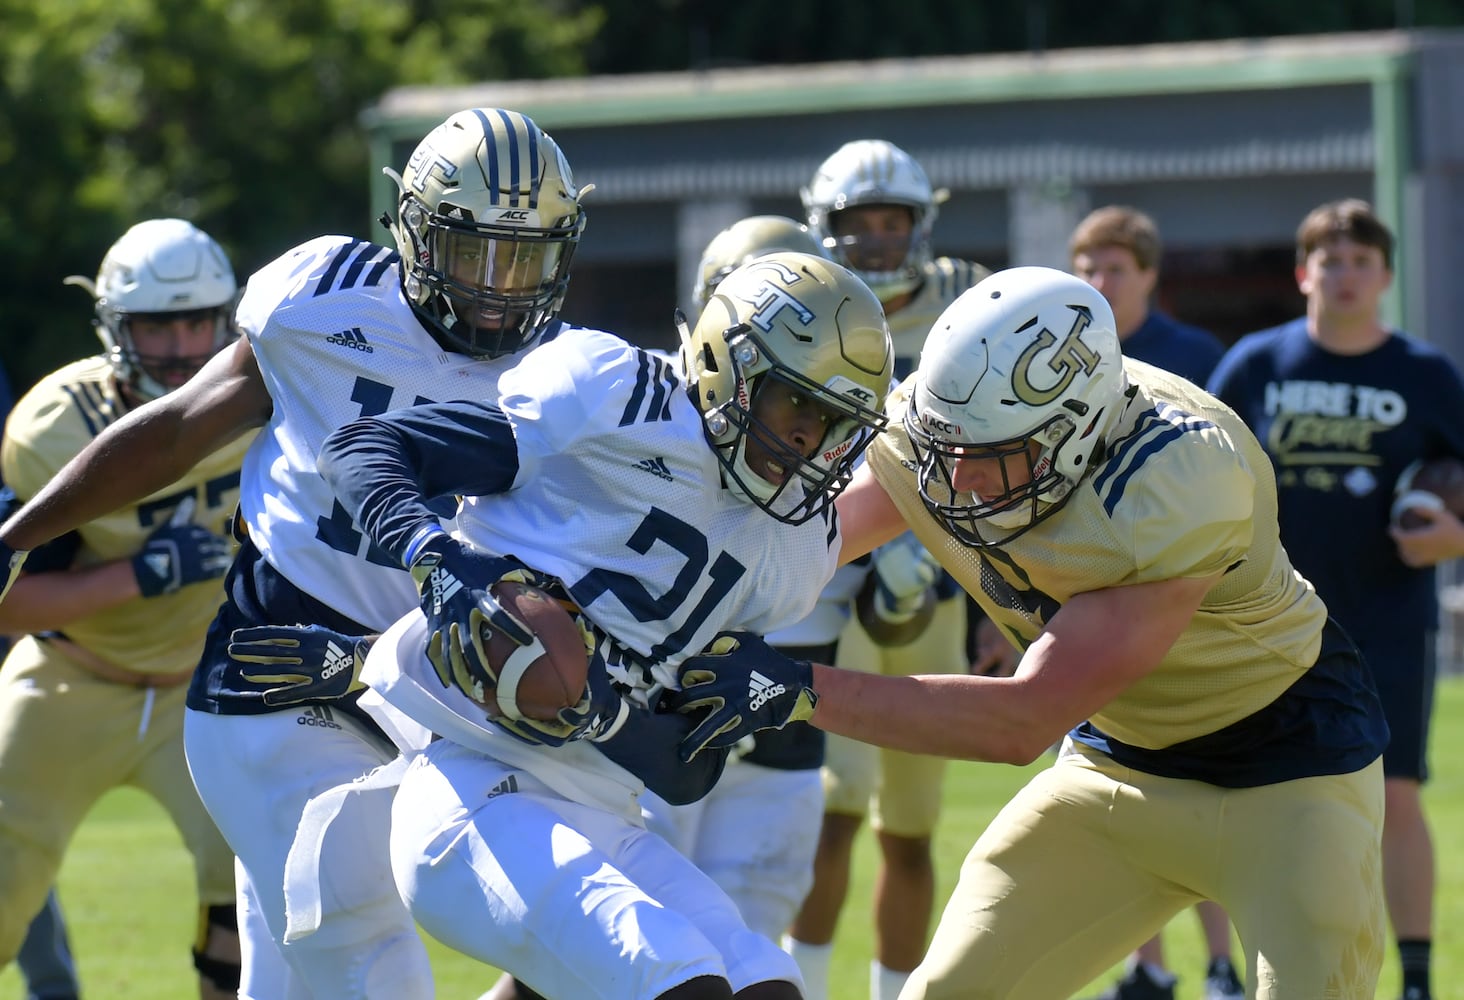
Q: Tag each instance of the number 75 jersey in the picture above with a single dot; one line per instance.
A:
(335, 340)
(619, 495)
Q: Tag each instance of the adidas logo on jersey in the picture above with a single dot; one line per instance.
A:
(761, 690)
(656, 467)
(352, 338)
(317, 715)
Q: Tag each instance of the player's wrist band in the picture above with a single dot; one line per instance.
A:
(419, 541)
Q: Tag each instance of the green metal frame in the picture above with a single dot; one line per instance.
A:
(1383, 61)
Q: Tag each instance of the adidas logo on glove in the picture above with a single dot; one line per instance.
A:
(444, 585)
(761, 690)
(336, 660)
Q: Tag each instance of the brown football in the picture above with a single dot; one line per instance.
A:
(1437, 483)
(554, 679)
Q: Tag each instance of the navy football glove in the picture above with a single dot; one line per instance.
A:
(299, 664)
(462, 615)
(597, 716)
(180, 553)
(743, 685)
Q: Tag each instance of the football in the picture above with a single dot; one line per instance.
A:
(1437, 483)
(535, 682)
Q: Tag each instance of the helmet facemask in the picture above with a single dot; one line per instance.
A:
(146, 376)
(487, 223)
(813, 481)
(486, 290)
(1030, 462)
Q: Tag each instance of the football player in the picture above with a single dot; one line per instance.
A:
(756, 832)
(873, 207)
(1224, 737)
(486, 225)
(1344, 404)
(1116, 249)
(113, 613)
(662, 508)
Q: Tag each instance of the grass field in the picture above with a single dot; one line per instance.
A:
(128, 893)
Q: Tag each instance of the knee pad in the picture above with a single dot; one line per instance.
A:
(222, 973)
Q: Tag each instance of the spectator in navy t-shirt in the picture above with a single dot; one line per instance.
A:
(1343, 404)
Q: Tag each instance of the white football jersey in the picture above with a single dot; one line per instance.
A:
(620, 497)
(335, 340)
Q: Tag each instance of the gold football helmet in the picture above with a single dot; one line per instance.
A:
(487, 223)
(745, 240)
(803, 322)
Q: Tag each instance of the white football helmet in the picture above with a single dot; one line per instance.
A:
(161, 268)
(1025, 368)
(487, 223)
(745, 240)
(803, 321)
(874, 172)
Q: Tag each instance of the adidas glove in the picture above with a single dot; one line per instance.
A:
(180, 553)
(14, 559)
(903, 572)
(597, 716)
(743, 685)
(298, 664)
(462, 615)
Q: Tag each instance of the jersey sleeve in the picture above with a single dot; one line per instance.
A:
(1190, 514)
(579, 385)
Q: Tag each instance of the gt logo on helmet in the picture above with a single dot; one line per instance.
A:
(1071, 356)
(424, 162)
(769, 300)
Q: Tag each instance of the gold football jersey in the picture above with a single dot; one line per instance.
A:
(1181, 489)
(943, 281)
(48, 426)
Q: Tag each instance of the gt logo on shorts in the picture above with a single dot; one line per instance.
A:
(761, 690)
(317, 715)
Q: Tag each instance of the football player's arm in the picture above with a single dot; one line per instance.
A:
(149, 448)
(52, 600)
(385, 469)
(867, 516)
(1097, 645)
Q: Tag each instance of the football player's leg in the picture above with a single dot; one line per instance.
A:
(751, 959)
(757, 841)
(1302, 881)
(65, 739)
(255, 774)
(45, 957)
(850, 772)
(1061, 885)
(907, 806)
(163, 774)
(499, 867)
(265, 974)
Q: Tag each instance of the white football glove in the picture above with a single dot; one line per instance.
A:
(903, 571)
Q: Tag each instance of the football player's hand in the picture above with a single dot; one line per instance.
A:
(180, 553)
(995, 655)
(14, 559)
(597, 716)
(904, 572)
(743, 685)
(453, 581)
(299, 664)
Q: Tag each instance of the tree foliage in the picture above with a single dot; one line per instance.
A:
(242, 115)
